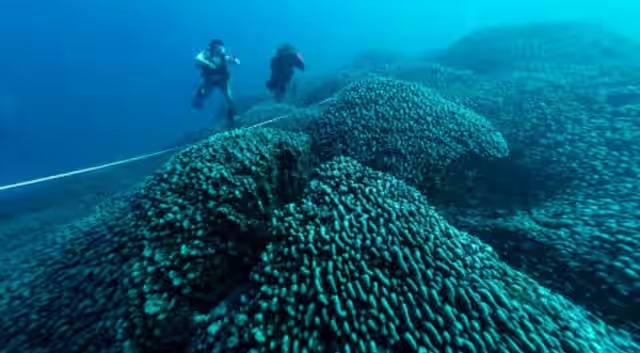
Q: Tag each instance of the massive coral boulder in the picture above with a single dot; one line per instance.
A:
(29, 215)
(583, 241)
(581, 245)
(364, 264)
(563, 206)
(203, 220)
(599, 67)
(573, 172)
(66, 286)
(140, 266)
(403, 128)
(496, 49)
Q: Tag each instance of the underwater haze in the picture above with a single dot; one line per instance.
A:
(82, 83)
(459, 177)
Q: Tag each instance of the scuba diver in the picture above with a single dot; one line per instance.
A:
(214, 74)
(282, 67)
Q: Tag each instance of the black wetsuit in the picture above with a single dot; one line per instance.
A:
(215, 78)
(282, 69)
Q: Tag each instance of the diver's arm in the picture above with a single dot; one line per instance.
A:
(232, 59)
(201, 59)
(299, 62)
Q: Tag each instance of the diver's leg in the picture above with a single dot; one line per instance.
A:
(285, 85)
(278, 94)
(271, 83)
(228, 95)
(202, 92)
(293, 88)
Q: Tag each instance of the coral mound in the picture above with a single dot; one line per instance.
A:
(140, 266)
(363, 264)
(403, 128)
(497, 49)
(203, 218)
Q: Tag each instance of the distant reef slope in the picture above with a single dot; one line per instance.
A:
(481, 199)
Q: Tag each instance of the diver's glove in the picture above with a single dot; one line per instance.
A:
(233, 59)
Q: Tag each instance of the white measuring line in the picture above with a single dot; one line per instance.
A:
(82, 171)
(124, 161)
(112, 164)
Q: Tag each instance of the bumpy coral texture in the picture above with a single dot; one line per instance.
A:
(203, 218)
(537, 45)
(141, 265)
(403, 128)
(69, 286)
(565, 101)
(363, 264)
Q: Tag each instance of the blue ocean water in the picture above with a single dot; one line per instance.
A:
(102, 80)
(90, 82)
(453, 177)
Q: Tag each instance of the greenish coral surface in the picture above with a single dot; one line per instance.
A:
(490, 207)
(202, 218)
(138, 268)
(403, 128)
(362, 263)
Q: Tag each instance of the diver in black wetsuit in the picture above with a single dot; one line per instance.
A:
(214, 73)
(287, 58)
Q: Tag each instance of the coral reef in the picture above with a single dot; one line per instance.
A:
(362, 263)
(574, 165)
(533, 46)
(403, 128)
(483, 199)
(141, 265)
